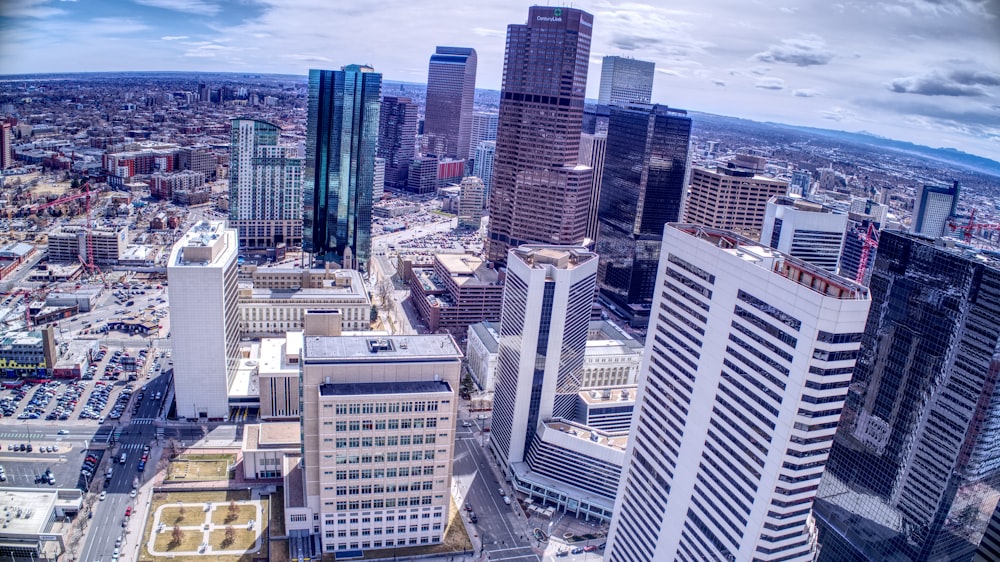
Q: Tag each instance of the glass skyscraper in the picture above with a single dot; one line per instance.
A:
(914, 470)
(451, 90)
(642, 189)
(341, 141)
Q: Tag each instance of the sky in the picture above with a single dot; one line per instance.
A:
(924, 71)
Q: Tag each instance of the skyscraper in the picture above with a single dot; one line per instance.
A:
(397, 137)
(451, 90)
(470, 203)
(592, 150)
(342, 133)
(731, 197)
(484, 128)
(743, 378)
(806, 230)
(482, 167)
(265, 187)
(914, 470)
(625, 80)
(378, 180)
(933, 205)
(642, 189)
(543, 337)
(540, 193)
(204, 319)
(6, 145)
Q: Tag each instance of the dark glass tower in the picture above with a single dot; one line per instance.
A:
(642, 189)
(451, 89)
(340, 164)
(540, 192)
(397, 134)
(914, 471)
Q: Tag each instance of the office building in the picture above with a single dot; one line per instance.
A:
(265, 187)
(6, 145)
(278, 376)
(378, 429)
(423, 177)
(451, 89)
(484, 128)
(198, 159)
(800, 184)
(281, 296)
(470, 203)
(592, 151)
(342, 133)
(933, 205)
(68, 244)
(806, 230)
(482, 166)
(642, 189)
(543, 337)
(611, 358)
(625, 81)
(595, 119)
(912, 474)
(743, 379)
(731, 197)
(204, 319)
(456, 291)
(540, 192)
(36, 529)
(397, 138)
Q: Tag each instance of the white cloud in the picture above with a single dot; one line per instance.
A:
(173, 37)
(199, 7)
(806, 50)
(770, 83)
(806, 93)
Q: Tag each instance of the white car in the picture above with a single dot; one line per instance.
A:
(103, 496)
(132, 493)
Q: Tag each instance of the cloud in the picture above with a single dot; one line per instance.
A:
(934, 84)
(30, 9)
(633, 42)
(199, 7)
(972, 77)
(487, 32)
(770, 83)
(806, 93)
(720, 83)
(668, 72)
(173, 37)
(837, 113)
(805, 50)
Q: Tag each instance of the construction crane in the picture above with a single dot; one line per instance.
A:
(869, 242)
(972, 226)
(86, 194)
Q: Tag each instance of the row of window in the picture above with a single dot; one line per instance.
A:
(381, 488)
(395, 456)
(369, 473)
(390, 407)
(366, 532)
(378, 425)
(387, 543)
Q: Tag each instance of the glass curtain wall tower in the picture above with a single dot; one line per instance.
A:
(451, 90)
(341, 141)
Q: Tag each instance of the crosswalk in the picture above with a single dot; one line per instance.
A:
(18, 435)
(143, 421)
(130, 446)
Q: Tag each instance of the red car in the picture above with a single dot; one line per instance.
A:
(590, 548)
(128, 511)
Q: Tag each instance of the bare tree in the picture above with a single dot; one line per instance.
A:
(234, 511)
(176, 537)
(180, 514)
(230, 536)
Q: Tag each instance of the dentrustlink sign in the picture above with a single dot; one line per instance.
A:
(556, 16)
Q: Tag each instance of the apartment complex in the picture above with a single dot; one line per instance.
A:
(163, 185)
(748, 358)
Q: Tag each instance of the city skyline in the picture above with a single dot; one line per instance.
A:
(912, 70)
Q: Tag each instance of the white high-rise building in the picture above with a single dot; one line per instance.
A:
(482, 167)
(484, 128)
(204, 318)
(749, 356)
(804, 229)
(470, 202)
(592, 151)
(543, 337)
(933, 205)
(625, 80)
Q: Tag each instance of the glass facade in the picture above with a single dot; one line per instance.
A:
(451, 89)
(397, 133)
(341, 141)
(914, 473)
(642, 189)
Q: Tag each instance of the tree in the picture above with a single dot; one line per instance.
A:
(180, 513)
(234, 511)
(230, 536)
(176, 536)
(374, 313)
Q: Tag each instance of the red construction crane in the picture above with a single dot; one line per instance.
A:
(869, 242)
(86, 194)
(972, 226)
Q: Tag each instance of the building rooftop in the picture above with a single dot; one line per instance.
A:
(26, 512)
(560, 257)
(205, 244)
(395, 387)
(306, 294)
(468, 270)
(615, 441)
(272, 435)
(606, 396)
(805, 274)
(351, 349)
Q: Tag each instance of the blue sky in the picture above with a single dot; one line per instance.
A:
(925, 71)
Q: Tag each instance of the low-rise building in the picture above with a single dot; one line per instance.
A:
(69, 244)
(265, 446)
(459, 290)
(279, 298)
(32, 528)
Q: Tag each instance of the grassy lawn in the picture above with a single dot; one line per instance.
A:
(190, 541)
(277, 513)
(192, 470)
(221, 496)
(244, 513)
(243, 541)
(191, 516)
